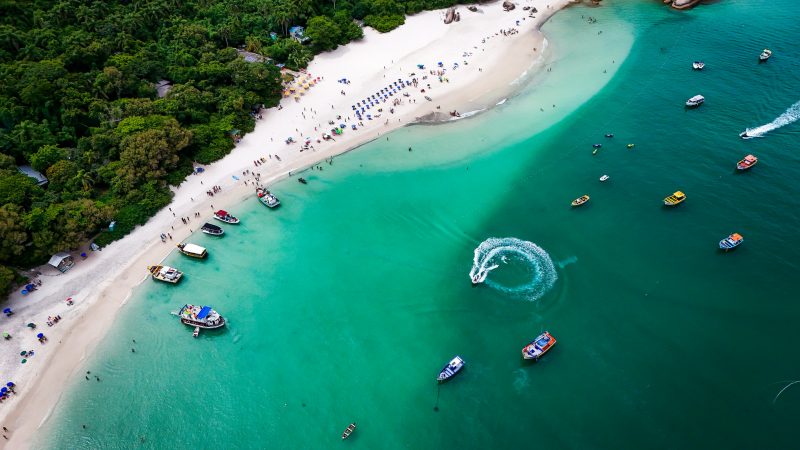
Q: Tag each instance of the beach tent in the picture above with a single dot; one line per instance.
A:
(61, 261)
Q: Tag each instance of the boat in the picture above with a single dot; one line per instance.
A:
(200, 317)
(731, 242)
(580, 200)
(698, 65)
(609, 135)
(765, 55)
(348, 431)
(210, 228)
(539, 346)
(165, 273)
(479, 276)
(195, 251)
(604, 178)
(302, 180)
(675, 199)
(594, 152)
(746, 163)
(697, 100)
(267, 198)
(631, 145)
(226, 217)
(597, 145)
(451, 369)
(196, 332)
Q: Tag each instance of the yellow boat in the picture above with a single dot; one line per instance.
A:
(580, 200)
(675, 199)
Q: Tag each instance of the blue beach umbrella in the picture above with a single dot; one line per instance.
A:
(5, 389)
(40, 335)
(7, 310)
(10, 384)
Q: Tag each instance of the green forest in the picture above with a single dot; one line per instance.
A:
(78, 102)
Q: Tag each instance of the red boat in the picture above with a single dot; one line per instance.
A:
(748, 162)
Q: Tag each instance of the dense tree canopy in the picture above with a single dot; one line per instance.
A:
(78, 101)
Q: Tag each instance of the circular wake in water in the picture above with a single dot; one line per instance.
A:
(493, 253)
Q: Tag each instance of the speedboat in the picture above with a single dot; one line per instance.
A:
(744, 135)
(195, 251)
(348, 431)
(675, 199)
(580, 200)
(200, 316)
(697, 100)
(226, 217)
(698, 65)
(539, 346)
(451, 369)
(609, 135)
(165, 273)
(765, 54)
(479, 276)
(597, 145)
(209, 228)
(631, 146)
(731, 242)
(267, 198)
(604, 178)
(746, 163)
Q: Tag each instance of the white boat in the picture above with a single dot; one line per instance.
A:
(697, 100)
(267, 198)
(226, 217)
(604, 178)
(165, 273)
(765, 54)
(698, 65)
(479, 276)
(451, 369)
(195, 251)
(200, 316)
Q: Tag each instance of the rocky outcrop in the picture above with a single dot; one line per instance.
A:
(508, 6)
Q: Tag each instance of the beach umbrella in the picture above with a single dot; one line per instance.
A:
(5, 389)
(24, 292)
(7, 310)
(23, 353)
(10, 384)
(40, 335)
(6, 335)
(31, 325)
(24, 361)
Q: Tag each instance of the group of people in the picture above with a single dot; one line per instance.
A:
(53, 320)
(213, 190)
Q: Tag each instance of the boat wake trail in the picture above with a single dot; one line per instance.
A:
(496, 252)
(789, 116)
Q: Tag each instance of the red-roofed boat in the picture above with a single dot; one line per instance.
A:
(226, 217)
(746, 163)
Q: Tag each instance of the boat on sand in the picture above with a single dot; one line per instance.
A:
(348, 431)
(580, 200)
(451, 369)
(539, 346)
(166, 274)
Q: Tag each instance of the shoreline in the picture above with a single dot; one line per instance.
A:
(120, 265)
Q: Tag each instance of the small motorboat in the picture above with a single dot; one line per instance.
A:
(302, 180)
(731, 242)
(746, 163)
(630, 146)
(697, 100)
(765, 55)
(479, 276)
(348, 431)
(609, 135)
(451, 369)
(267, 198)
(195, 251)
(539, 346)
(580, 200)
(196, 332)
(675, 199)
(210, 228)
(698, 65)
(597, 145)
(604, 178)
(226, 217)
(165, 273)
(744, 135)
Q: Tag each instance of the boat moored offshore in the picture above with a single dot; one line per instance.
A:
(226, 217)
(765, 55)
(267, 198)
(675, 199)
(697, 100)
(580, 200)
(201, 316)
(698, 65)
(539, 346)
(165, 273)
(451, 369)
(604, 178)
(747, 162)
(213, 230)
(731, 242)
(193, 250)
(348, 431)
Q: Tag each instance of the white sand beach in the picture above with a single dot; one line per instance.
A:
(482, 55)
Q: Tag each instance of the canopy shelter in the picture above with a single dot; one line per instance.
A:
(204, 312)
(61, 261)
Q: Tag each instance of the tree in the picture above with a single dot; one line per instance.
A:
(13, 235)
(150, 154)
(324, 33)
(46, 156)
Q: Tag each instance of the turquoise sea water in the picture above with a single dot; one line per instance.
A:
(345, 303)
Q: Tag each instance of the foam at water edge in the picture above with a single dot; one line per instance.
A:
(789, 116)
(492, 251)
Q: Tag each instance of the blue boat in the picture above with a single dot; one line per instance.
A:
(451, 369)
(731, 242)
